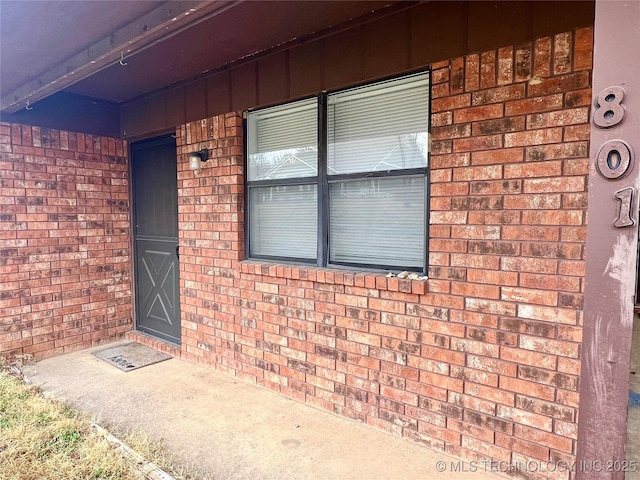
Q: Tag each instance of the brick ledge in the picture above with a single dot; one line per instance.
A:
(379, 281)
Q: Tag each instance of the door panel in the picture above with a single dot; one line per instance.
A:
(158, 294)
(155, 196)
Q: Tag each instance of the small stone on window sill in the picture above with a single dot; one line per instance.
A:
(409, 275)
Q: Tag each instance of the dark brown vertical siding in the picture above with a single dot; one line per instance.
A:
(149, 114)
(344, 58)
(244, 92)
(175, 106)
(551, 17)
(218, 93)
(196, 99)
(393, 44)
(126, 121)
(438, 31)
(387, 46)
(70, 112)
(306, 64)
(273, 80)
(494, 24)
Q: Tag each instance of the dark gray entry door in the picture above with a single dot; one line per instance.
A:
(155, 205)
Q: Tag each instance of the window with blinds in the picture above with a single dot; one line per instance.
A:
(350, 189)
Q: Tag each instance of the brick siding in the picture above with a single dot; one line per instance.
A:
(483, 359)
(65, 263)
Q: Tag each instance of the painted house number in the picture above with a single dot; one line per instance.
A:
(615, 158)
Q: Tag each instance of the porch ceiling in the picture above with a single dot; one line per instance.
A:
(76, 46)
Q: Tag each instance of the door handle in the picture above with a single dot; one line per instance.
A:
(178, 251)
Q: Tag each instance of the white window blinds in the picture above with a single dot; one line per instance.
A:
(360, 197)
(283, 141)
(284, 221)
(378, 221)
(379, 127)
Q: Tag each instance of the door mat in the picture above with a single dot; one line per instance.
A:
(131, 356)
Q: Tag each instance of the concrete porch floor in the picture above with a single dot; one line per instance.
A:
(235, 430)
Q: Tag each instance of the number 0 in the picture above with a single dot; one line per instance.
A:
(614, 159)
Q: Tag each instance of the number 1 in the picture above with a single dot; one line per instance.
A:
(624, 213)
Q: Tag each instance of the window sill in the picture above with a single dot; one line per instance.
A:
(378, 281)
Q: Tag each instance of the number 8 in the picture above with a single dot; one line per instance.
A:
(608, 109)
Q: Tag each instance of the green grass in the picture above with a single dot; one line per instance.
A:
(44, 439)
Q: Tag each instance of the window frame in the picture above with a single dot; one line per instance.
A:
(323, 180)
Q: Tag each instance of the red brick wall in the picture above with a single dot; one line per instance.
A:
(483, 359)
(65, 265)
